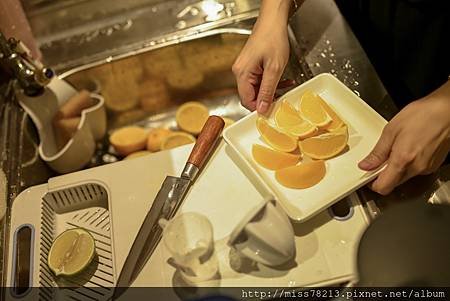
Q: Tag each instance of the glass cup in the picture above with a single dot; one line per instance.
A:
(189, 239)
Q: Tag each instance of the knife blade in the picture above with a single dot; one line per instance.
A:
(167, 202)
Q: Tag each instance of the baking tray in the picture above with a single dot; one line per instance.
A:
(343, 175)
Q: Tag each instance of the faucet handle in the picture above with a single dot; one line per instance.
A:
(31, 74)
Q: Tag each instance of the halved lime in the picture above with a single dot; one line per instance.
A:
(71, 252)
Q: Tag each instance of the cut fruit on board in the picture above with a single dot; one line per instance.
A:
(325, 146)
(273, 159)
(301, 176)
(176, 139)
(311, 109)
(275, 138)
(289, 119)
(71, 252)
(191, 116)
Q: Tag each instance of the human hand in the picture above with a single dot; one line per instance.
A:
(415, 142)
(261, 62)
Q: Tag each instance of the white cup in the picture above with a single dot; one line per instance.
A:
(265, 235)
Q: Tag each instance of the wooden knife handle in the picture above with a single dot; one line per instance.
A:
(206, 140)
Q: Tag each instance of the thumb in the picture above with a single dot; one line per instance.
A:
(269, 82)
(380, 152)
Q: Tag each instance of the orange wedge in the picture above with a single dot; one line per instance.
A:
(336, 121)
(289, 119)
(278, 140)
(311, 109)
(325, 146)
(301, 176)
(273, 159)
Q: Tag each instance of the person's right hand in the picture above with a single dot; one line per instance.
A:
(261, 62)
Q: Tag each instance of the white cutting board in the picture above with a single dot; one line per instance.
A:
(224, 193)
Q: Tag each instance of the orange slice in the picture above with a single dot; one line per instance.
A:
(191, 116)
(278, 140)
(289, 119)
(156, 137)
(325, 146)
(301, 176)
(228, 122)
(312, 110)
(336, 121)
(176, 139)
(273, 159)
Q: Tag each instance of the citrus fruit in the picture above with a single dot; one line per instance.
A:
(128, 140)
(273, 159)
(301, 176)
(176, 139)
(278, 140)
(336, 121)
(325, 146)
(155, 138)
(228, 122)
(137, 154)
(311, 109)
(289, 119)
(71, 252)
(191, 116)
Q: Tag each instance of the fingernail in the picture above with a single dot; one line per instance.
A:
(263, 107)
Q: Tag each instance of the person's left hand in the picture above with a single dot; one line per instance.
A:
(415, 142)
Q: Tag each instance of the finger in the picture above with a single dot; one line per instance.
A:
(247, 94)
(269, 82)
(389, 178)
(400, 166)
(380, 152)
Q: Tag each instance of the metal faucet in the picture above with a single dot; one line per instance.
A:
(30, 74)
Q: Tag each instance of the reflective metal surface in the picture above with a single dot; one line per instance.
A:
(146, 87)
(71, 33)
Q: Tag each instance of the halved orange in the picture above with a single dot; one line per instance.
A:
(336, 121)
(325, 146)
(191, 116)
(289, 119)
(176, 139)
(311, 109)
(301, 176)
(273, 159)
(275, 138)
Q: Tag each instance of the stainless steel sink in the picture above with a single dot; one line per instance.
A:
(145, 88)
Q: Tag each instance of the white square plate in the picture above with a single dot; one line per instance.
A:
(343, 175)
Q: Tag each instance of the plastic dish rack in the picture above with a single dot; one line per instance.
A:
(85, 206)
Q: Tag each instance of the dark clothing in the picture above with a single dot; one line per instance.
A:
(406, 40)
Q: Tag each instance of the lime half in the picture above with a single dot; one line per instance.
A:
(71, 252)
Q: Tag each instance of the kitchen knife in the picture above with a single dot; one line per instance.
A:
(166, 203)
